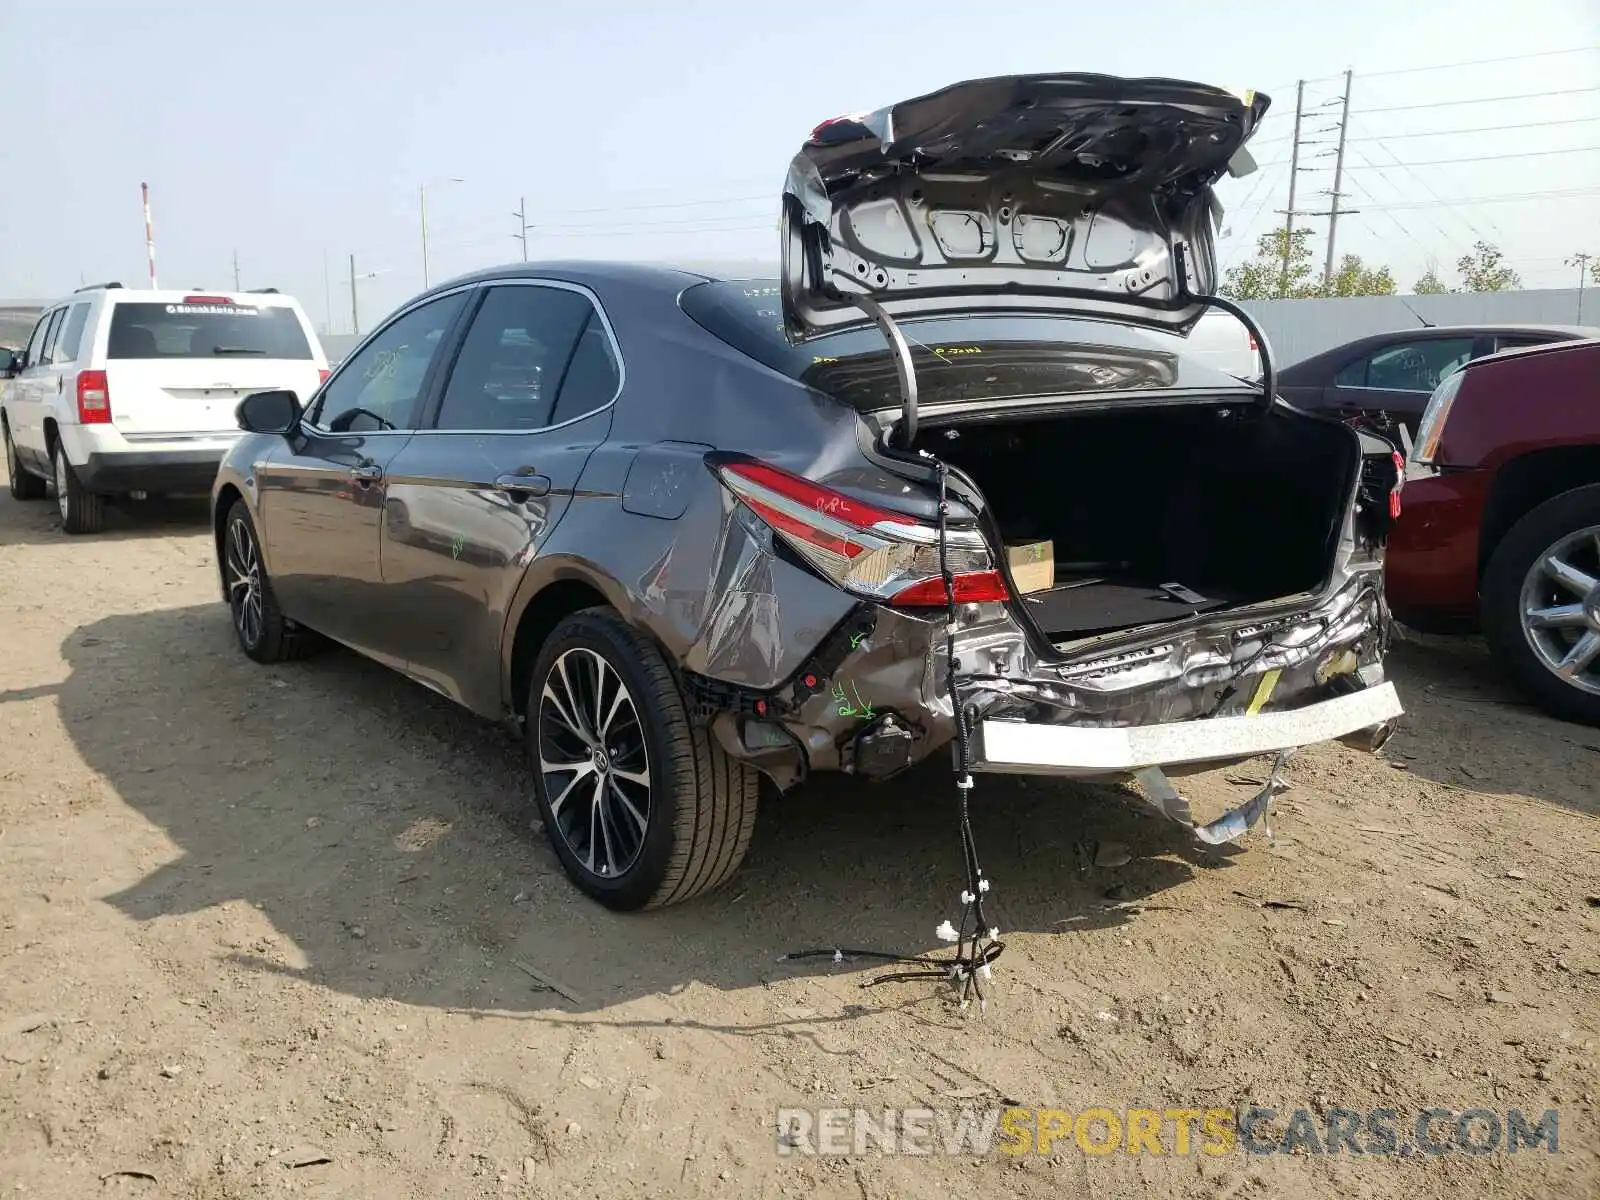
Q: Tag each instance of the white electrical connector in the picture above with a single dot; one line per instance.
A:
(838, 956)
(984, 973)
(946, 932)
(965, 783)
(983, 885)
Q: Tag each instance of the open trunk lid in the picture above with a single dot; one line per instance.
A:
(1064, 195)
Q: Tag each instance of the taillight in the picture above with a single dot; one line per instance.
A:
(1399, 485)
(322, 375)
(207, 300)
(94, 398)
(882, 555)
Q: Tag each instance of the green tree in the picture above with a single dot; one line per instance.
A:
(1284, 269)
(1485, 270)
(1355, 278)
(1430, 284)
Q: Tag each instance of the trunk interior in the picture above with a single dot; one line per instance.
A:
(1160, 513)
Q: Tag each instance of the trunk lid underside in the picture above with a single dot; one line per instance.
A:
(1047, 194)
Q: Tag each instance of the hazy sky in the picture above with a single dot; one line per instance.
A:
(296, 133)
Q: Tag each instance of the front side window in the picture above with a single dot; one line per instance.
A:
(514, 359)
(209, 329)
(39, 347)
(380, 386)
(1417, 366)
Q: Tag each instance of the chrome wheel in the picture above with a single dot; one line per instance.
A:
(593, 761)
(244, 582)
(61, 482)
(1560, 609)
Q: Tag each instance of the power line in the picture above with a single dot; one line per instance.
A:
(1477, 100)
(1505, 198)
(1478, 62)
(1485, 128)
(1443, 162)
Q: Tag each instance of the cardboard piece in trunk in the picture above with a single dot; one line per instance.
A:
(1033, 565)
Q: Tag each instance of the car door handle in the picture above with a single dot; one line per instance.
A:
(529, 485)
(366, 473)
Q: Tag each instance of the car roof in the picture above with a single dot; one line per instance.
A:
(1587, 345)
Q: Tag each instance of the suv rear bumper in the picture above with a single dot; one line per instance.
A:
(170, 471)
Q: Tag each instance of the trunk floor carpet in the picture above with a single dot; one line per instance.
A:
(1081, 608)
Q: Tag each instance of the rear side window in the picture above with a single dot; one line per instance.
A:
(69, 339)
(150, 330)
(514, 359)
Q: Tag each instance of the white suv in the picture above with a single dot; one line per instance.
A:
(129, 393)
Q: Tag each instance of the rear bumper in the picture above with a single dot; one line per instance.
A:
(1029, 748)
(169, 471)
(1431, 564)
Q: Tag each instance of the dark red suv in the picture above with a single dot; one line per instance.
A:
(1501, 523)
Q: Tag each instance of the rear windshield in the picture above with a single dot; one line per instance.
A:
(957, 358)
(146, 330)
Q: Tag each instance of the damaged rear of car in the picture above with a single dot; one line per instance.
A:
(1148, 567)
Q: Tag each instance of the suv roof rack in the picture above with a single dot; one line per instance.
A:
(95, 287)
(261, 291)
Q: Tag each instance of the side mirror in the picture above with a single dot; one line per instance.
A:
(13, 362)
(268, 412)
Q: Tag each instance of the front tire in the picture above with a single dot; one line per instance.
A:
(1541, 605)
(643, 809)
(82, 511)
(24, 486)
(264, 633)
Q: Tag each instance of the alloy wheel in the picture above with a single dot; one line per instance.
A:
(1560, 609)
(244, 583)
(594, 763)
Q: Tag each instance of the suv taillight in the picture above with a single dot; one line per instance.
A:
(881, 555)
(322, 375)
(94, 398)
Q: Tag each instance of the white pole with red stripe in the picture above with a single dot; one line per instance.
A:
(149, 234)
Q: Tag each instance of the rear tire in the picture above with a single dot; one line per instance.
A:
(652, 811)
(82, 511)
(1517, 582)
(24, 485)
(264, 633)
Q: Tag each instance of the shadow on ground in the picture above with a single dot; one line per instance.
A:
(1467, 727)
(37, 522)
(383, 834)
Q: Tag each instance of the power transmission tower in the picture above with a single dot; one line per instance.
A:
(1289, 213)
(522, 219)
(236, 270)
(1338, 180)
(1581, 261)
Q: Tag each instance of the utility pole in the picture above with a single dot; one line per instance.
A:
(422, 206)
(1581, 261)
(355, 320)
(236, 270)
(149, 234)
(522, 217)
(327, 294)
(1294, 169)
(1338, 180)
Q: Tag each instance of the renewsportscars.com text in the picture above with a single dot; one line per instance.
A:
(1176, 1131)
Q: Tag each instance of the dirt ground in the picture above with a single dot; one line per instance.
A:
(253, 918)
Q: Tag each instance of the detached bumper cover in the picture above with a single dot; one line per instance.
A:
(1027, 748)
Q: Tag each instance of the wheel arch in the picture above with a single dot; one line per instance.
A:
(546, 597)
(1527, 481)
(227, 496)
